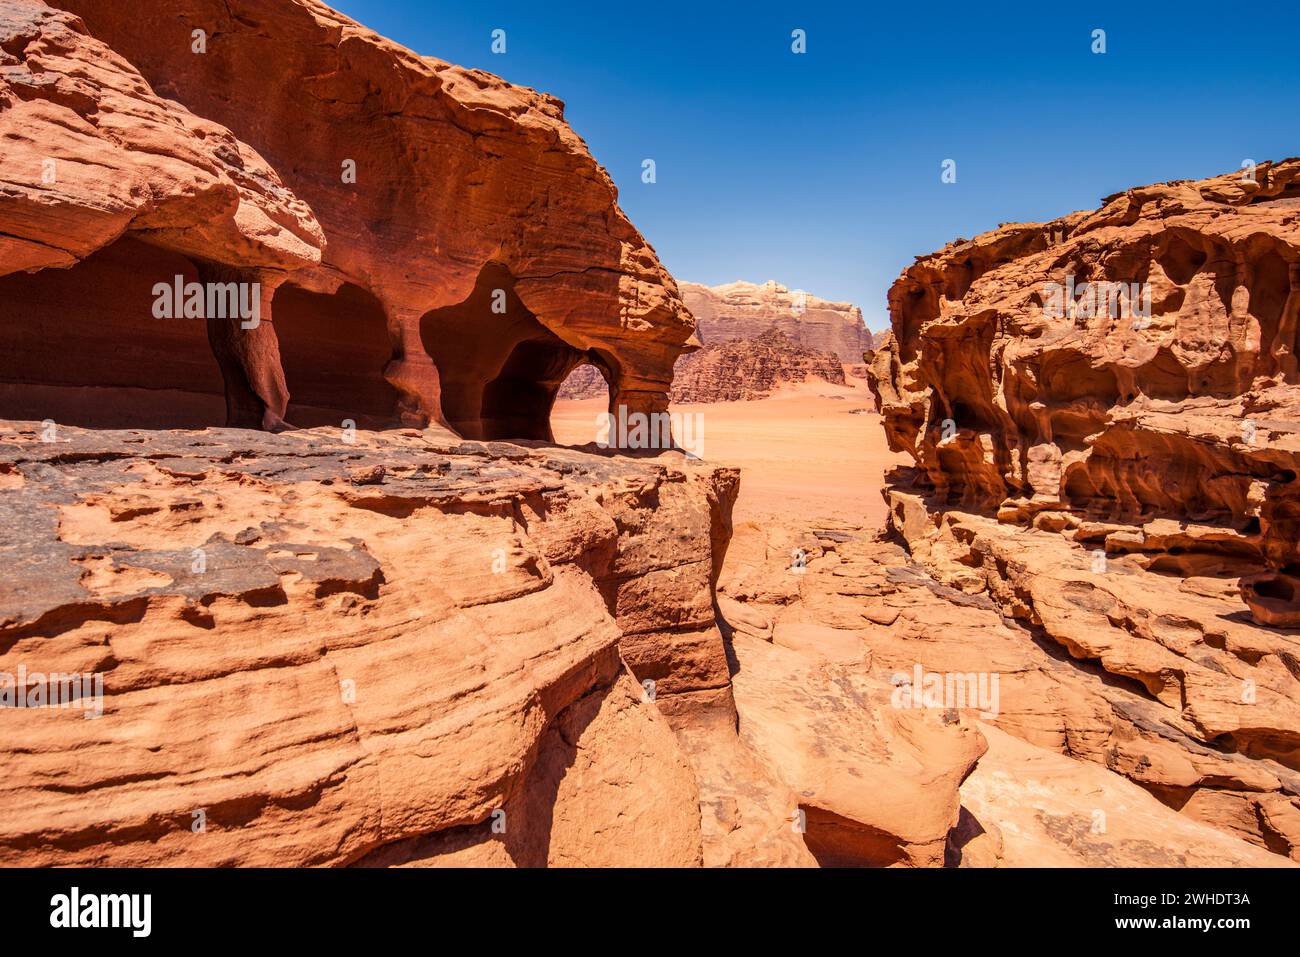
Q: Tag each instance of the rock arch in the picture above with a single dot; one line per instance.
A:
(498, 366)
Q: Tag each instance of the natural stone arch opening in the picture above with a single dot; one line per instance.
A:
(334, 348)
(82, 345)
(498, 367)
(586, 392)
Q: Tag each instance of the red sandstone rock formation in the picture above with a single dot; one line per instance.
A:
(743, 310)
(826, 625)
(750, 368)
(387, 649)
(96, 166)
(354, 651)
(473, 252)
(1119, 482)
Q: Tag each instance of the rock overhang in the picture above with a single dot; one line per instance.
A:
(403, 178)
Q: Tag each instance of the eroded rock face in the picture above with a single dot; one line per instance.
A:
(750, 368)
(92, 152)
(745, 310)
(433, 245)
(1120, 478)
(837, 639)
(378, 650)
(1027, 806)
(877, 786)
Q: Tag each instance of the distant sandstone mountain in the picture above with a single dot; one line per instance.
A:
(740, 310)
(750, 368)
(747, 311)
(584, 382)
(733, 371)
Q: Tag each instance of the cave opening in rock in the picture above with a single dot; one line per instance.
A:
(1269, 290)
(334, 349)
(1179, 259)
(82, 345)
(498, 366)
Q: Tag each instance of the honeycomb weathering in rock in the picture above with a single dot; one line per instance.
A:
(391, 204)
(1120, 478)
(1188, 413)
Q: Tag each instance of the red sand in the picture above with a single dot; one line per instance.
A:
(803, 453)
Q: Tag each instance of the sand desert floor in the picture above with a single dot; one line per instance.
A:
(810, 453)
(812, 460)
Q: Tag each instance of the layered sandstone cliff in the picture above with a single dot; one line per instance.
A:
(745, 310)
(732, 370)
(430, 244)
(1121, 477)
(751, 368)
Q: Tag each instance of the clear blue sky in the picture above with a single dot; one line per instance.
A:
(822, 170)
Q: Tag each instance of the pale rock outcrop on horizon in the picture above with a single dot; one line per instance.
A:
(744, 310)
(735, 315)
(751, 368)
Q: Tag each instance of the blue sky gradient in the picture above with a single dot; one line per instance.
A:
(822, 170)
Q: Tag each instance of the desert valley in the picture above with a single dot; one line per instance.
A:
(345, 569)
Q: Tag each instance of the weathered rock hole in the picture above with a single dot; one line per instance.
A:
(1276, 587)
(499, 367)
(1164, 377)
(1180, 260)
(1269, 286)
(590, 380)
